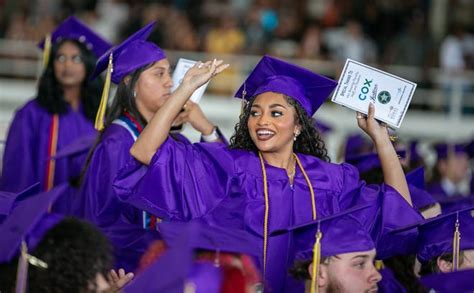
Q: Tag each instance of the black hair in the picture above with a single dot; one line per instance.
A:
(309, 141)
(300, 268)
(50, 92)
(124, 100)
(431, 267)
(75, 251)
(402, 267)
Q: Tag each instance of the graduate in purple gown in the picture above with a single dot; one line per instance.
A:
(449, 172)
(62, 111)
(275, 173)
(142, 72)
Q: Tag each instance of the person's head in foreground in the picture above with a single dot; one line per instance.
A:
(44, 252)
(335, 254)
(446, 243)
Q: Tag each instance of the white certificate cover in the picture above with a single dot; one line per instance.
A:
(182, 67)
(360, 84)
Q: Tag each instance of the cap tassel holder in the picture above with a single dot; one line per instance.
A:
(22, 271)
(243, 101)
(99, 119)
(456, 245)
(46, 50)
(316, 261)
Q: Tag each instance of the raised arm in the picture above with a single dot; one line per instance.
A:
(156, 132)
(392, 169)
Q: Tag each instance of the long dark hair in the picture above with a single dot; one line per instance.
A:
(50, 92)
(309, 141)
(124, 100)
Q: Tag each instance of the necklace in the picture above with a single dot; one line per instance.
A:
(291, 175)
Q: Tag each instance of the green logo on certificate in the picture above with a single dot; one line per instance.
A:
(384, 97)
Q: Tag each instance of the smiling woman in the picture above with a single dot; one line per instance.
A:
(274, 173)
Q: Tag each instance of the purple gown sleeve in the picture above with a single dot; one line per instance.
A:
(182, 181)
(390, 211)
(19, 159)
(120, 222)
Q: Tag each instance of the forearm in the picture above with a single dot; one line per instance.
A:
(156, 132)
(392, 169)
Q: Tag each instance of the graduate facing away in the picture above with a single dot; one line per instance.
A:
(274, 174)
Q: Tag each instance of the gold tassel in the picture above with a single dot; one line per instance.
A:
(46, 50)
(456, 246)
(379, 265)
(316, 260)
(243, 101)
(99, 119)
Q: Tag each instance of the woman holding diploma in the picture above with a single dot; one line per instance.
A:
(142, 72)
(275, 173)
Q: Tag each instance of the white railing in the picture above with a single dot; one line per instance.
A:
(20, 65)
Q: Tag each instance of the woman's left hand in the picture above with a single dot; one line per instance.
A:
(193, 115)
(378, 132)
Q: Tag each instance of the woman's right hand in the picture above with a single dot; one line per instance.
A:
(201, 73)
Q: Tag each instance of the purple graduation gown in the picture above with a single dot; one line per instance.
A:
(26, 149)
(225, 187)
(120, 222)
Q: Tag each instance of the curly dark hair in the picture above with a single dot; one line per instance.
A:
(309, 142)
(50, 92)
(75, 252)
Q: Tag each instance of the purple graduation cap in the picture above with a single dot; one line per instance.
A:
(322, 127)
(213, 238)
(176, 268)
(9, 200)
(80, 146)
(309, 89)
(28, 222)
(446, 233)
(123, 59)
(416, 183)
(73, 29)
(130, 55)
(460, 281)
(367, 162)
(355, 145)
(340, 233)
(329, 236)
(443, 150)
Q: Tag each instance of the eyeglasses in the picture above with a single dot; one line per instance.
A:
(76, 59)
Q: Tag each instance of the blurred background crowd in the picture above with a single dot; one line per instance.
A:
(428, 42)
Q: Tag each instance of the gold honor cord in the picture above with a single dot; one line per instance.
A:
(46, 50)
(316, 261)
(99, 118)
(267, 205)
(265, 222)
(456, 246)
